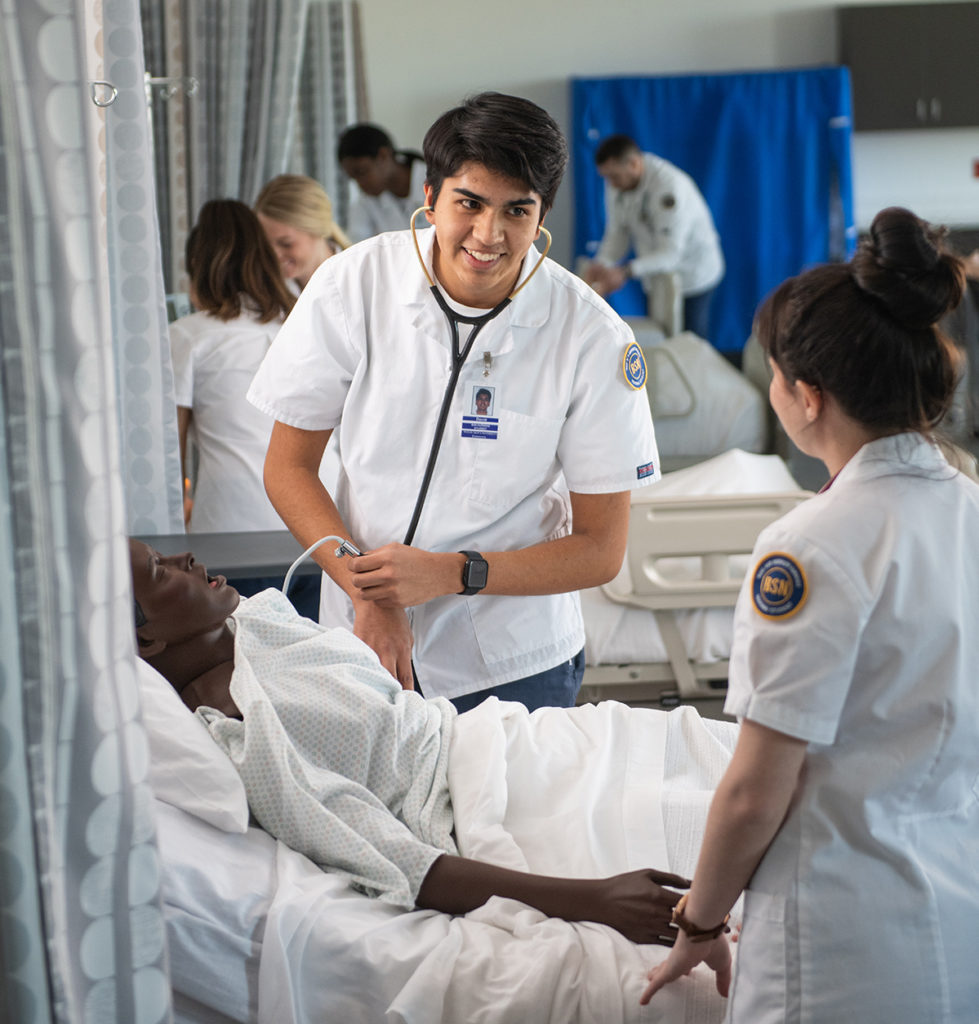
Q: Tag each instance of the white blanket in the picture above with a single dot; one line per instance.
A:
(596, 791)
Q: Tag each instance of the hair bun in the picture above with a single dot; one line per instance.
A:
(906, 265)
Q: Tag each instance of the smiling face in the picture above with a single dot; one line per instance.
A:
(178, 598)
(299, 252)
(484, 224)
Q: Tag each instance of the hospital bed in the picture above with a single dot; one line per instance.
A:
(659, 634)
(257, 932)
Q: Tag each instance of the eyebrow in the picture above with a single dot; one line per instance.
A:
(529, 201)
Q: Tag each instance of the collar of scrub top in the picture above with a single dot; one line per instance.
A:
(459, 356)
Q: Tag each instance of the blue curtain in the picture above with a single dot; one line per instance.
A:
(769, 150)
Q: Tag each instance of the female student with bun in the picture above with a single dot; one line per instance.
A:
(297, 217)
(849, 814)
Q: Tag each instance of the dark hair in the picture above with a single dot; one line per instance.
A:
(866, 331)
(228, 257)
(363, 140)
(484, 391)
(616, 147)
(506, 134)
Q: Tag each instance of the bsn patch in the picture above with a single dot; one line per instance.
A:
(634, 366)
(778, 586)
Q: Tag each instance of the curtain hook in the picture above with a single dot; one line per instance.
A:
(103, 93)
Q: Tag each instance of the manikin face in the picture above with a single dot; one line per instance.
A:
(371, 174)
(178, 598)
(484, 225)
(622, 174)
(299, 252)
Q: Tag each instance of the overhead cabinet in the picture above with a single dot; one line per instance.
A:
(912, 65)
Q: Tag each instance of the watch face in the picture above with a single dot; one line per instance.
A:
(476, 573)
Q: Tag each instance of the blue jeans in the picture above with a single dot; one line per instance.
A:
(554, 687)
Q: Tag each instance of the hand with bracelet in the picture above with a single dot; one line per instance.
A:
(694, 944)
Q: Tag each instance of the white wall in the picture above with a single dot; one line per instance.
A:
(424, 56)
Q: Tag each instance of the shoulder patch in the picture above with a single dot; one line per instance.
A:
(634, 366)
(779, 587)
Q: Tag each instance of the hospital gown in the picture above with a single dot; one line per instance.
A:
(338, 761)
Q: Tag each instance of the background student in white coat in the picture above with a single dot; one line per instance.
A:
(851, 807)
(656, 209)
(390, 182)
(476, 584)
(297, 216)
(242, 300)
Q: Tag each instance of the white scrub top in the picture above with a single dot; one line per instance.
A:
(373, 215)
(367, 352)
(669, 225)
(866, 905)
(213, 364)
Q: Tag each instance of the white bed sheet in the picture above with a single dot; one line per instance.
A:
(257, 932)
(617, 634)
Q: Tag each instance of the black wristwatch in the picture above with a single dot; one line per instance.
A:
(474, 574)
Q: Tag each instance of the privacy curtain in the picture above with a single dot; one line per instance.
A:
(81, 930)
(769, 150)
(249, 89)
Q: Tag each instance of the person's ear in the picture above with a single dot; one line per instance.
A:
(149, 648)
(429, 203)
(812, 400)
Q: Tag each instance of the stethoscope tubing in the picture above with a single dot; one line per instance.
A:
(458, 361)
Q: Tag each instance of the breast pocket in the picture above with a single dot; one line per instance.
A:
(517, 462)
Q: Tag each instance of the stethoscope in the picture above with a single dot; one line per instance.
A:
(459, 356)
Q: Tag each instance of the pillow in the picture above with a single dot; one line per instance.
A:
(187, 768)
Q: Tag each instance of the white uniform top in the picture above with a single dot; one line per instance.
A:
(665, 220)
(213, 363)
(865, 907)
(367, 351)
(373, 215)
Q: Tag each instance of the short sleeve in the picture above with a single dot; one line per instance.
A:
(797, 629)
(608, 443)
(305, 376)
(182, 357)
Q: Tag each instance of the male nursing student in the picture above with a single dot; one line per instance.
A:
(469, 586)
(657, 210)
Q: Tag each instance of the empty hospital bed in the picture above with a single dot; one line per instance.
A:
(660, 633)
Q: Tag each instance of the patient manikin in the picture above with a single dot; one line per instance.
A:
(338, 761)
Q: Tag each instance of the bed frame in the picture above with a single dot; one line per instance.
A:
(714, 535)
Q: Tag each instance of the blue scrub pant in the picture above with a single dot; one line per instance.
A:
(696, 314)
(555, 687)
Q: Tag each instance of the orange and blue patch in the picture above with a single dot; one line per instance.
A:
(779, 587)
(634, 366)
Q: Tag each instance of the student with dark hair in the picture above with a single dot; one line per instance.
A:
(242, 300)
(479, 531)
(391, 182)
(656, 210)
(850, 811)
(284, 698)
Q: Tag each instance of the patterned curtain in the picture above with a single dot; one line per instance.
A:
(276, 81)
(81, 931)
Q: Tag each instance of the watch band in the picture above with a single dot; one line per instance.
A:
(694, 932)
(474, 573)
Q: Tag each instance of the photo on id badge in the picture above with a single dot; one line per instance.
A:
(482, 400)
